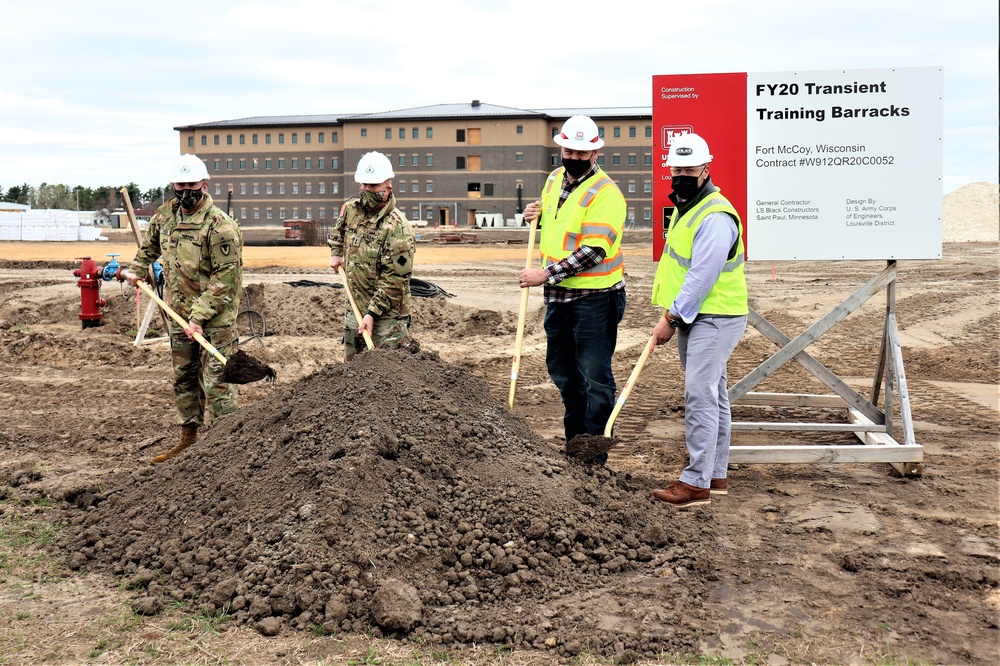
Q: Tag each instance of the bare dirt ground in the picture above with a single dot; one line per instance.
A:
(394, 511)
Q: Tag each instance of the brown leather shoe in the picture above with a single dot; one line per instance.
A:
(680, 494)
(189, 435)
(718, 487)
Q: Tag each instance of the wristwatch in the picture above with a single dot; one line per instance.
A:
(674, 322)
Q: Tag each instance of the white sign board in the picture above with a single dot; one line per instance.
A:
(845, 164)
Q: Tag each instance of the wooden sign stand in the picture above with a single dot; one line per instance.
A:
(871, 425)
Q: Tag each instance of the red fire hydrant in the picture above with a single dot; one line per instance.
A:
(90, 292)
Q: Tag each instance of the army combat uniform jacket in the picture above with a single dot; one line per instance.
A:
(202, 262)
(378, 257)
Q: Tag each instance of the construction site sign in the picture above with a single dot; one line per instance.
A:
(828, 165)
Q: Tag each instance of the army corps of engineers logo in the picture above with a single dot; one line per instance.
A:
(672, 132)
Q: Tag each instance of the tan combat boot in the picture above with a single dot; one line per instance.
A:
(189, 435)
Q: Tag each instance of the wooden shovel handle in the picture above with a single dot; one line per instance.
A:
(180, 320)
(354, 307)
(522, 314)
(632, 379)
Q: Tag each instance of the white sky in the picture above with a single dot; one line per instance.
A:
(91, 91)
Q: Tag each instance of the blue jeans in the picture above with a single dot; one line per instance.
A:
(582, 335)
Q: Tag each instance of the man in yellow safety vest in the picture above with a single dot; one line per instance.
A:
(701, 284)
(581, 213)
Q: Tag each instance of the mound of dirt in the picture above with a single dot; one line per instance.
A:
(395, 495)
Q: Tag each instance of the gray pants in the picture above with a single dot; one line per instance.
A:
(704, 350)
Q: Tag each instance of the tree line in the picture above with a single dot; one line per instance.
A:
(98, 199)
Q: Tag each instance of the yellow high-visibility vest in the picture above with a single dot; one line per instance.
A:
(729, 295)
(594, 215)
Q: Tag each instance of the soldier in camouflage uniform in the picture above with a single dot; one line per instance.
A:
(202, 250)
(374, 244)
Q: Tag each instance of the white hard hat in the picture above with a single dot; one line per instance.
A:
(688, 150)
(189, 169)
(373, 168)
(579, 133)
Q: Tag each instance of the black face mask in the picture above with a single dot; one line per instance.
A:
(685, 187)
(576, 168)
(189, 198)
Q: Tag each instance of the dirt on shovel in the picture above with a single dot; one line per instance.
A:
(585, 448)
(242, 368)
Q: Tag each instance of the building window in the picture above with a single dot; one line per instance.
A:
(460, 136)
(218, 189)
(631, 187)
(402, 160)
(402, 188)
(309, 190)
(388, 132)
(416, 132)
(402, 132)
(253, 139)
(631, 132)
(649, 131)
(281, 162)
(191, 142)
(269, 214)
(243, 165)
(268, 189)
(281, 137)
(320, 163)
(415, 160)
(519, 157)
(600, 131)
(295, 163)
(322, 213)
(520, 129)
(308, 137)
(647, 159)
(334, 188)
(204, 139)
(554, 160)
(617, 132)
(243, 213)
(256, 188)
(229, 139)
(631, 160)
(267, 138)
(334, 137)
(281, 213)
(364, 132)
(647, 214)
(430, 132)
(295, 213)
(229, 165)
(600, 160)
(255, 164)
(309, 213)
(217, 164)
(267, 164)
(647, 187)
(616, 160)
(460, 162)
(488, 189)
(430, 160)
(430, 186)
(322, 189)
(295, 137)
(215, 139)
(243, 189)
(243, 142)
(256, 213)
(295, 188)
(281, 188)
(334, 162)
(322, 137)
(309, 163)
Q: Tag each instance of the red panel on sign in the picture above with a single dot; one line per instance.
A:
(714, 107)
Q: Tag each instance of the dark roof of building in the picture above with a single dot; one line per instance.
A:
(462, 110)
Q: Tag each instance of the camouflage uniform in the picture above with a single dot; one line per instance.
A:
(378, 261)
(203, 273)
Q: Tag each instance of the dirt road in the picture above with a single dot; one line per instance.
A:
(396, 511)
